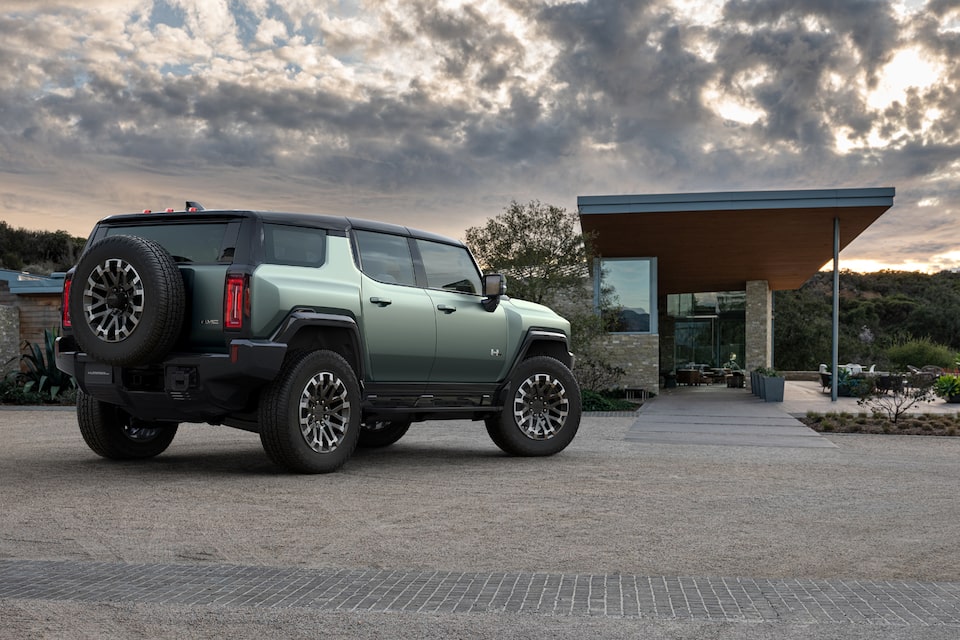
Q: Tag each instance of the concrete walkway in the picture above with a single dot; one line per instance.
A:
(717, 415)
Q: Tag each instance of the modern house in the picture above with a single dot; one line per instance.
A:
(692, 275)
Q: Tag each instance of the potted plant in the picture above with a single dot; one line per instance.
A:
(947, 387)
(773, 384)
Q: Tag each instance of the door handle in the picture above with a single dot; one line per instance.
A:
(381, 302)
(446, 308)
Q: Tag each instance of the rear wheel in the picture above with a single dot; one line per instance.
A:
(542, 414)
(310, 416)
(112, 433)
(374, 435)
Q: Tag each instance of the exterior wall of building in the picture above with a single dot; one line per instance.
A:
(24, 318)
(638, 354)
(9, 338)
(759, 325)
(38, 312)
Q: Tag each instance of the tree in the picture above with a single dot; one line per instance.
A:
(546, 260)
(39, 252)
(536, 246)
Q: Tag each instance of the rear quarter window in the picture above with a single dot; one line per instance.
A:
(297, 246)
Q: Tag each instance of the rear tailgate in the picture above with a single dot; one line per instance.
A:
(203, 246)
(204, 320)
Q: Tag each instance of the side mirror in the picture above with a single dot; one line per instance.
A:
(494, 286)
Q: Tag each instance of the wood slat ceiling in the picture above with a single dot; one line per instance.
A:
(720, 250)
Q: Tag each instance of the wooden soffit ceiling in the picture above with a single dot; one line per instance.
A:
(719, 241)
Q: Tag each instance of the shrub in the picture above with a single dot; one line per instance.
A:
(593, 401)
(595, 374)
(39, 379)
(947, 385)
(919, 352)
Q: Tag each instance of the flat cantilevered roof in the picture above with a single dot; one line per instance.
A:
(719, 241)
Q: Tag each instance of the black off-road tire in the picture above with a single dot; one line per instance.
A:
(127, 301)
(379, 434)
(542, 410)
(310, 415)
(111, 433)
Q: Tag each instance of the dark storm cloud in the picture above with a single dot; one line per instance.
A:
(592, 96)
(627, 58)
(869, 24)
(465, 39)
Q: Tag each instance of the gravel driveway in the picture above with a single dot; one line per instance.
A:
(878, 508)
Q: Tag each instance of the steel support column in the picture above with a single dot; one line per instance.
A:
(835, 351)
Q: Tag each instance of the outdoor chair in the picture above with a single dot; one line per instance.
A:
(889, 383)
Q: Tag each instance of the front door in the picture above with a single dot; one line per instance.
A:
(471, 341)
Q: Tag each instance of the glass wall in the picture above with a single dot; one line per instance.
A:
(625, 291)
(709, 328)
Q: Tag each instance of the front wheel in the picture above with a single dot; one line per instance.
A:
(310, 416)
(542, 413)
(112, 433)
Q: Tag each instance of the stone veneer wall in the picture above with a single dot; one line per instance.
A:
(9, 338)
(759, 325)
(638, 354)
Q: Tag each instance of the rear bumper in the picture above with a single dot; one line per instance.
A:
(184, 387)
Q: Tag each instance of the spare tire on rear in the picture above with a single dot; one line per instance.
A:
(127, 301)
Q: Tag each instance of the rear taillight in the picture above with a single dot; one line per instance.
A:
(236, 301)
(65, 321)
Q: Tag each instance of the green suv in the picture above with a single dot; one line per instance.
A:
(320, 333)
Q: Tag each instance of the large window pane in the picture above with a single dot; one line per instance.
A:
(625, 293)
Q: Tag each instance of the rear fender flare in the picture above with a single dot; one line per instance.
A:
(310, 330)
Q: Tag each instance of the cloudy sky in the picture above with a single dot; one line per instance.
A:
(438, 114)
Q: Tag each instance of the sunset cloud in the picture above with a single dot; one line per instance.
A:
(437, 114)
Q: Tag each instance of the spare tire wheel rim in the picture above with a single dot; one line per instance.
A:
(114, 300)
(540, 406)
(324, 412)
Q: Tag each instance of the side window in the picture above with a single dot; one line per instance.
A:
(298, 246)
(449, 267)
(385, 257)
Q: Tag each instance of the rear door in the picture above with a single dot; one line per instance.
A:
(399, 326)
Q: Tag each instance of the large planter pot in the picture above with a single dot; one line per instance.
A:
(953, 399)
(773, 388)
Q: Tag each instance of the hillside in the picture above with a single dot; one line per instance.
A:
(877, 310)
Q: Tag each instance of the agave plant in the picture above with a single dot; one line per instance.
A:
(41, 374)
